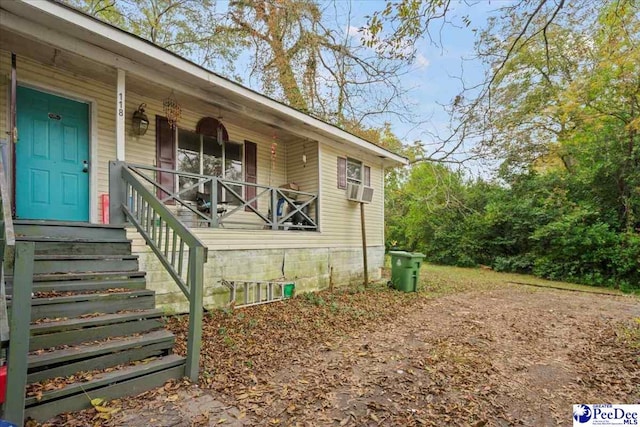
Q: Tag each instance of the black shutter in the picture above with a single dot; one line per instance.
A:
(342, 172)
(165, 155)
(250, 171)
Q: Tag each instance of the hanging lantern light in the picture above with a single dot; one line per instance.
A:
(139, 122)
(220, 134)
(172, 110)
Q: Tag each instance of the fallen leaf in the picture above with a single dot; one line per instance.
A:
(96, 402)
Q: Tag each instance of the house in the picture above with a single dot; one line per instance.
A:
(220, 185)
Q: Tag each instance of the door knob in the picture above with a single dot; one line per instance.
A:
(85, 166)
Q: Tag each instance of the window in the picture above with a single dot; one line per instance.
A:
(354, 171)
(203, 155)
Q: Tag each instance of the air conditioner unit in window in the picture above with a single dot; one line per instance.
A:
(367, 194)
(359, 193)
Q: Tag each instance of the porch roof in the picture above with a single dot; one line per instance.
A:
(69, 29)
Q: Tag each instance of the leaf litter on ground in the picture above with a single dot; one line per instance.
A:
(468, 349)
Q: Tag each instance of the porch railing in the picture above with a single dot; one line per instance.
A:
(21, 255)
(295, 207)
(181, 252)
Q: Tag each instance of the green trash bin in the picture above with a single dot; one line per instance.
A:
(401, 267)
(416, 259)
(405, 270)
(288, 290)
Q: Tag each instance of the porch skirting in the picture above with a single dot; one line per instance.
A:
(310, 268)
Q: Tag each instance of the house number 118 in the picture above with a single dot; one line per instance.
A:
(120, 105)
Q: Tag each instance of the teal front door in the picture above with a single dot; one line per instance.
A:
(52, 155)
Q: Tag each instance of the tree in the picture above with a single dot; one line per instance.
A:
(186, 27)
(575, 95)
(295, 56)
(571, 93)
(535, 44)
(395, 29)
(314, 67)
(606, 101)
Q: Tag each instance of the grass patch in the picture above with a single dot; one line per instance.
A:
(630, 334)
(440, 280)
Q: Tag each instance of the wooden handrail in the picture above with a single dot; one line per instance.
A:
(167, 238)
(214, 183)
(7, 232)
(184, 232)
(23, 256)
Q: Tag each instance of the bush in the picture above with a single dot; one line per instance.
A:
(556, 225)
(514, 264)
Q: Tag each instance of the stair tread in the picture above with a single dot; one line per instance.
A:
(19, 222)
(83, 257)
(81, 351)
(70, 239)
(79, 297)
(104, 282)
(41, 277)
(82, 322)
(109, 378)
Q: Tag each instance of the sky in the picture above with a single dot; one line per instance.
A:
(433, 79)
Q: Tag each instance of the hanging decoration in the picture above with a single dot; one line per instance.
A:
(220, 130)
(172, 110)
(220, 134)
(274, 148)
(304, 155)
(274, 152)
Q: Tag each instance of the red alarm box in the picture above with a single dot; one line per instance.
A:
(3, 383)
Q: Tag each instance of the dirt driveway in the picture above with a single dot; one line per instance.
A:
(499, 354)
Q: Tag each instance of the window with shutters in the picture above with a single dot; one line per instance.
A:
(354, 171)
(204, 155)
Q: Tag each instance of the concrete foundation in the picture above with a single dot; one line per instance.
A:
(311, 269)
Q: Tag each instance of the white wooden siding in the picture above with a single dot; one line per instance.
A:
(305, 175)
(340, 219)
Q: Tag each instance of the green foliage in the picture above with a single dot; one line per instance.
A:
(186, 27)
(314, 299)
(567, 205)
(550, 224)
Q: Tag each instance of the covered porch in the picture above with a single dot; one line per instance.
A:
(260, 173)
(207, 201)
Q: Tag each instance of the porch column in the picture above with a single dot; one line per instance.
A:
(120, 115)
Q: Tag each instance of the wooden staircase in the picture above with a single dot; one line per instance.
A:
(92, 319)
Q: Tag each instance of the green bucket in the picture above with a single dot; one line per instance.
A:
(289, 288)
